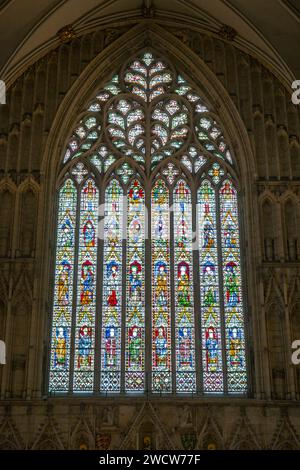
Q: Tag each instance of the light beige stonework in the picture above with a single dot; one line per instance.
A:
(263, 127)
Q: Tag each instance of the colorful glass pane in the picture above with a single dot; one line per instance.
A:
(86, 289)
(232, 286)
(135, 291)
(63, 289)
(184, 301)
(112, 289)
(161, 307)
(209, 290)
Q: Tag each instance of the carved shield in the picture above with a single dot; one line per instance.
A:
(188, 441)
(103, 441)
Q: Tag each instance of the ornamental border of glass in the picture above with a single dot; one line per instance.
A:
(147, 129)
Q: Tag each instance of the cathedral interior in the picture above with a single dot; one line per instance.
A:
(173, 123)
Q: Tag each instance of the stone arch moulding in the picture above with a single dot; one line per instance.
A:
(84, 88)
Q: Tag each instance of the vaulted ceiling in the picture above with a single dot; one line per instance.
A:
(268, 29)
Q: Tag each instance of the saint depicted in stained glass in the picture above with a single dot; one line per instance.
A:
(135, 347)
(84, 357)
(89, 234)
(89, 192)
(87, 277)
(231, 286)
(161, 350)
(212, 348)
(67, 232)
(110, 347)
(185, 347)
(63, 283)
(112, 298)
(61, 347)
(135, 282)
(161, 283)
(209, 296)
(113, 271)
(235, 346)
(183, 284)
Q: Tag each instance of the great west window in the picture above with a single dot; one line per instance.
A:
(148, 289)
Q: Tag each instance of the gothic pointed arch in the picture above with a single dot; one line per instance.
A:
(150, 148)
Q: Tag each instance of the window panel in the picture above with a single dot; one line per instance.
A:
(233, 300)
(112, 289)
(63, 289)
(211, 336)
(161, 302)
(184, 301)
(86, 289)
(135, 292)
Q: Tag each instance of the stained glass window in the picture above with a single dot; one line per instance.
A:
(132, 314)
